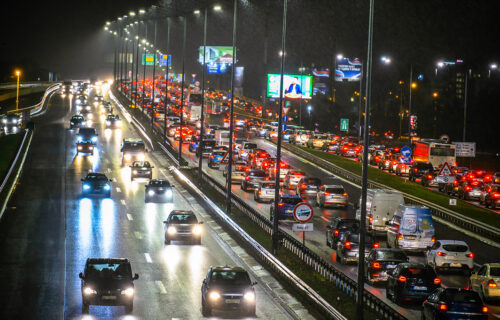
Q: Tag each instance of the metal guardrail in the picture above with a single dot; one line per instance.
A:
(477, 227)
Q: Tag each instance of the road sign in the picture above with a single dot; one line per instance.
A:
(303, 212)
(453, 202)
(285, 110)
(444, 138)
(344, 124)
(148, 59)
(165, 60)
(285, 118)
(445, 170)
(406, 153)
(302, 227)
(465, 149)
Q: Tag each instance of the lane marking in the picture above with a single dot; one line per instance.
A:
(161, 287)
(138, 236)
(118, 189)
(129, 216)
(123, 202)
(148, 257)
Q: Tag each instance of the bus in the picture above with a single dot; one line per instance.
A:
(435, 152)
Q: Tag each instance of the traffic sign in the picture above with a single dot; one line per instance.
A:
(148, 59)
(285, 110)
(344, 124)
(303, 212)
(302, 227)
(165, 60)
(406, 153)
(445, 170)
(465, 149)
(285, 118)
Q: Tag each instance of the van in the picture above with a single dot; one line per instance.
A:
(380, 207)
(411, 228)
(222, 137)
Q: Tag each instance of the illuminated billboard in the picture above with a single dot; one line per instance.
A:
(294, 86)
(348, 70)
(217, 54)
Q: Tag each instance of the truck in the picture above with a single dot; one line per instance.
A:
(194, 105)
(435, 152)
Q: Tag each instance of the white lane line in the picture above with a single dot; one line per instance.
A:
(118, 189)
(161, 287)
(123, 202)
(148, 257)
(129, 216)
(138, 236)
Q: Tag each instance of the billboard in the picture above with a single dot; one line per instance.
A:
(148, 59)
(321, 73)
(348, 70)
(217, 68)
(216, 54)
(294, 86)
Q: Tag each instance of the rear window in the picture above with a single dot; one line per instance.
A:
(250, 146)
(268, 185)
(335, 190)
(455, 247)
(495, 271)
(461, 296)
(219, 153)
(391, 255)
(354, 237)
(292, 201)
(312, 181)
(424, 166)
(258, 173)
(348, 224)
(419, 273)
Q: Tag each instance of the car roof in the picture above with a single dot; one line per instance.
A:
(228, 268)
(333, 186)
(107, 260)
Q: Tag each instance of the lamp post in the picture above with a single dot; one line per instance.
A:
(153, 82)
(182, 90)
(18, 74)
(202, 118)
(309, 109)
(165, 103)
(493, 67)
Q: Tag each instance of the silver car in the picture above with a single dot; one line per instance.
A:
(265, 192)
(332, 195)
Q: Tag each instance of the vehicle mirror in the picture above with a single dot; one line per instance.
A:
(165, 221)
(81, 179)
(80, 275)
(254, 283)
(136, 276)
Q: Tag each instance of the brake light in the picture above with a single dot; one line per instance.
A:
(370, 218)
(336, 233)
(247, 178)
(433, 238)
(358, 149)
(437, 281)
(485, 309)
(282, 165)
(468, 188)
(347, 245)
(394, 162)
(345, 148)
(492, 284)
(327, 193)
(303, 186)
(400, 236)
(376, 245)
(441, 254)
(496, 195)
(376, 265)
(260, 192)
(429, 176)
(280, 204)
(344, 194)
(443, 307)
(470, 255)
(212, 157)
(402, 279)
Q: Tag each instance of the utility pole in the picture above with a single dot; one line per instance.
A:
(202, 120)
(165, 104)
(182, 90)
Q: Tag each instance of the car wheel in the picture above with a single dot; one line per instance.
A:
(206, 311)
(85, 308)
(129, 308)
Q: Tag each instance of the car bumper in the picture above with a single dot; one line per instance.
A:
(266, 196)
(492, 292)
(142, 175)
(232, 304)
(457, 264)
(336, 202)
(107, 300)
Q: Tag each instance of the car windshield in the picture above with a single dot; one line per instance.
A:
(77, 118)
(108, 270)
(419, 272)
(86, 131)
(183, 219)
(159, 183)
(135, 146)
(141, 164)
(461, 296)
(391, 255)
(268, 185)
(348, 225)
(230, 278)
(96, 177)
(455, 247)
(292, 201)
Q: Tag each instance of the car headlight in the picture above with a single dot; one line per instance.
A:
(78, 101)
(90, 116)
(141, 157)
(127, 156)
(171, 230)
(119, 123)
(107, 187)
(94, 139)
(169, 193)
(151, 193)
(79, 148)
(128, 292)
(88, 291)
(249, 296)
(4, 120)
(214, 295)
(88, 108)
(197, 230)
(14, 120)
(86, 187)
(79, 138)
(108, 122)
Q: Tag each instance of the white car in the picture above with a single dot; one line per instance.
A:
(265, 192)
(450, 254)
(487, 281)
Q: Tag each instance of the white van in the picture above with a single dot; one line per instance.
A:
(222, 137)
(380, 207)
(411, 228)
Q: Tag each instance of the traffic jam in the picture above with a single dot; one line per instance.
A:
(404, 255)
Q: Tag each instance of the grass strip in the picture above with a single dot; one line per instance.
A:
(8, 149)
(417, 190)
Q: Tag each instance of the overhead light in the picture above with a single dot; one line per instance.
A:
(120, 18)
(132, 13)
(142, 11)
(493, 66)
(108, 23)
(217, 8)
(340, 56)
(196, 12)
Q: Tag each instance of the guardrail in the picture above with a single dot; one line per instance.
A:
(489, 234)
(37, 108)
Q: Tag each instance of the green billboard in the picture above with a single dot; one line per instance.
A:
(216, 54)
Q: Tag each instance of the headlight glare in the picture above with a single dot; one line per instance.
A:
(128, 157)
(197, 230)
(134, 172)
(169, 193)
(171, 230)
(141, 156)
(249, 296)
(128, 292)
(214, 295)
(107, 187)
(89, 291)
(151, 193)
(86, 187)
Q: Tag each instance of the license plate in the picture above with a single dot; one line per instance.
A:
(109, 297)
(454, 265)
(233, 301)
(419, 288)
(410, 237)
(390, 266)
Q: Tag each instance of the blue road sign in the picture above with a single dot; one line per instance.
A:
(285, 118)
(406, 153)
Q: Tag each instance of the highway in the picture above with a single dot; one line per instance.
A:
(49, 231)
(316, 240)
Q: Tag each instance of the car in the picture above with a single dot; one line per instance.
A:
(85, 146)
(350, 149)
(332, 147)
(187, 134)
(96, 183)
(375, 156)
(106, 107)
(113, 121)
(486, 281)
(267, 163)
(182, 225)
(491, 196)
(495, 178)
(388, 161)
(228, 288)
(238, 169)
(141, 169)
(454, 303)
(308, 187)
(337, 228)
(318, 141)
(133, 150)
(449, 255)
(77, 121)
(158, 190)
(332, 195)
(292, 178)
(108, 282)
(286, 204)
(421, 172)
(87, 134)
(284, 169)
(252, 179)
(411, 281)
(402, 168)
(205, 149)
(264, 192)
(470, 190)
(380, 261)
(348, 246)
(215, 158)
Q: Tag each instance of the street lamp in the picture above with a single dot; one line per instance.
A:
(18, 74)
(340, 56)
(386, 60)
(217, 8)
(493, 67)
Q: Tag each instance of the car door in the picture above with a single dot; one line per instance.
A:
(431, 254)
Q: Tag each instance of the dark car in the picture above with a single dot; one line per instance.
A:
(470, 190)
(337, 228)
(350, 149)
(286, 204)
(492, 196)
(77, 121)
(113, 121)
(382, 260)
(348, 246)
(159, 190)
(108, 282)
(228, 288)
(411, 282)
(141, 169)
(215, 158)
(85, 146)
(308, 187)
(421, 172)
(133, 150)
(107, 107)
(182, 225)
(206, 148)
(87, 134)
(96, 183)
(454, 303)
(252, 179)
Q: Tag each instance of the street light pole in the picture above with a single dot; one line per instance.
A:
(138, 37)
(360, 102)
(153, 82)
(465, 104)
(144, 69)
(231, 113)
(275, 221)
(165, 104)
(364, 179)
(409, 104)
(202, 120)
(18, 73)
(182, 89)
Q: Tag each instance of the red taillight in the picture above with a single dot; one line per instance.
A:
(470, 255)
(347, 245)
(327, 193)
(336, 233)
(485, 309)
(400, 236)
(303, 186)
(402, 279)
(429, 176)
(376, 265)
(345, 148)
(441, 254)
(496, 195)
(376, 245)
(212, 157)
(247, 178)
(344, 194)
(394, 162)
(492, 284)
(443, 307)
(437, 281)
(280, 204)
(260, 192)
(468, 188)
(433, 238)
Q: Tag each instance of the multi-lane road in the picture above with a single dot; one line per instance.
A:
(49, 230)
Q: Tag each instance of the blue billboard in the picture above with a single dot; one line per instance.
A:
(348, 70)
(217, 68)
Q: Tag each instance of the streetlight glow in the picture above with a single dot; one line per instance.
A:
(386, 60)
(196, 11)
(440, 64)
(434, 94)
(132, 13)
(413, 85)
(142, 11)
(217, 8)
(493, 66)
(340, 56)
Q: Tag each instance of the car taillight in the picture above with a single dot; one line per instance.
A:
(358, 149)
(400, 236)
(485, 309)
(441, 254)
(327, 193)
(260, 192)
(429, 176)
(344, 194)
(496, 195)
(437, 281)
(376, 245)
(370, 218)
(470, 255)
(492, 284)
(247, 178)
(280, 204)
(468, 188)
(376, 265)
(347, 245)
(443, 307)
(433, 238)
(394, 162)
(212, 157)
(416, 170)
(303, 186)
(345, 148)
(336, 233)
(402, 279)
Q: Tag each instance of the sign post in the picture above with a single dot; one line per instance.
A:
(344, 124)
(465, 149)
(445, 174)
(406, 153)
(303, 213)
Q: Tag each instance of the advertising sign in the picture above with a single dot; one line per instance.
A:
(303, 212)
(294, 86)
(406, 153)
(217, 54)
(216, 68)
(348, 70)
(413, 122)
(165, 60)
(344, 124)
(148, 59)
(465, 149)
(322, 73)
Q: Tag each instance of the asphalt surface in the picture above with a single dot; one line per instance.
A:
(49, 231)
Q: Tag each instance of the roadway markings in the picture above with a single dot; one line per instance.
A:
(118, 189)
(129, 216)
(123, 202)
(161, 287)
(148, 257)
(138, 236)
